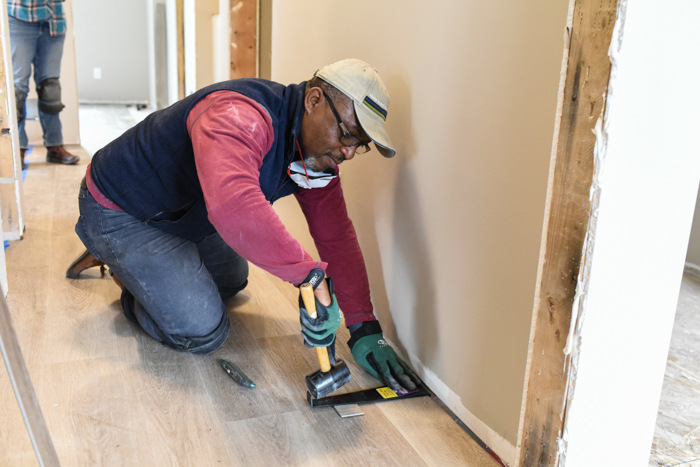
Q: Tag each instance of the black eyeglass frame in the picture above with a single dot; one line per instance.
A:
(360, 147)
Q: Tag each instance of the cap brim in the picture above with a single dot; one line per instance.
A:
(375, 130)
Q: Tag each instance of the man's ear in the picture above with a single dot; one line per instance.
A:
(312, 99)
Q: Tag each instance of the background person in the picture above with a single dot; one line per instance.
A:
(37, 33)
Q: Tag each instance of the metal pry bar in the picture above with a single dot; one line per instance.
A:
(367, 396)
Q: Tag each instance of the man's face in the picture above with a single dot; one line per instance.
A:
(320, 133)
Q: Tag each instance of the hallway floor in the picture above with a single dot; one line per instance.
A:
(113, 396)
(677, 435)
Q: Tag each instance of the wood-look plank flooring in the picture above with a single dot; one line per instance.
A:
(111, 395)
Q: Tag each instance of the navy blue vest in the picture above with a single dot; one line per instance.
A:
(150, 172)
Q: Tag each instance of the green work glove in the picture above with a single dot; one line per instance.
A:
(374, 354)
(320, 332)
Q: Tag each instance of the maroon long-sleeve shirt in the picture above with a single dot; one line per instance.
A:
(230, 135)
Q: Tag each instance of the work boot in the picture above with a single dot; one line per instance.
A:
(84, 261)
(21, 154)
(59, 155)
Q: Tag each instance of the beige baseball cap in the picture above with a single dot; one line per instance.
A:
(361, 83)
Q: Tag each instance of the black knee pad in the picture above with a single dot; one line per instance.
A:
(20, 100)
(49, 91)
(200, 345)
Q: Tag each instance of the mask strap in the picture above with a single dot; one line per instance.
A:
(302, 159)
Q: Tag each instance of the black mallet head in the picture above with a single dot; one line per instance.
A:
(321, 383)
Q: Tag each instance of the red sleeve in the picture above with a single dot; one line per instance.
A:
(230, 136)
(336, 241)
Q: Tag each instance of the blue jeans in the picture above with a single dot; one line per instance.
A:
(173, 288)
(32, 44)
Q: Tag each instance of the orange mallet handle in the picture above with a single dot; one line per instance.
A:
(307, 295)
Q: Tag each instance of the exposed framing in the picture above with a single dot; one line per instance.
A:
(180, 14)
(582, 96)
(244, 38)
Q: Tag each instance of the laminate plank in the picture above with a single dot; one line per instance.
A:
(113, 413)
(430, 431)
(24, 390)
(276, 392)
(12, 430)
(319, 437)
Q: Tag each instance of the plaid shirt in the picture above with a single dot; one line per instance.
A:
(35, 11)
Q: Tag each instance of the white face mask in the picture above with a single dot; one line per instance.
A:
(314, 179)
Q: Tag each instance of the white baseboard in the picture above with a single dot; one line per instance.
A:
(498, 444)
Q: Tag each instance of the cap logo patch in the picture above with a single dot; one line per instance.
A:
(374, 107)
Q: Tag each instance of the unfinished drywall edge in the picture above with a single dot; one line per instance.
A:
(574, 338)
(545, 222)
(497, 443)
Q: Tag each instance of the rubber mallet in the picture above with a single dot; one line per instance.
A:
(329, 377)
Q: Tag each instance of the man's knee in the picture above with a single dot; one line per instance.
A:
(201, 344)
(182, 339)
(49, 91)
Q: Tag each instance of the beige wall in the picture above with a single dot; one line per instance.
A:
(205, 10)
(451, 226)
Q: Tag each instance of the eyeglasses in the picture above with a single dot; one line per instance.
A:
(347, 139)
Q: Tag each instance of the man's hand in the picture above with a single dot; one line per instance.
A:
(373, 353)
(320, 332)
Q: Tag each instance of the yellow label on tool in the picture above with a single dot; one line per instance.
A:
(386, 393)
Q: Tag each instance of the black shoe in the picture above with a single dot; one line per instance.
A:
(59, 155)
(84, 261)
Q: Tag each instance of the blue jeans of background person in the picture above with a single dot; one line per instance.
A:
(32, 44)
(173, 287)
